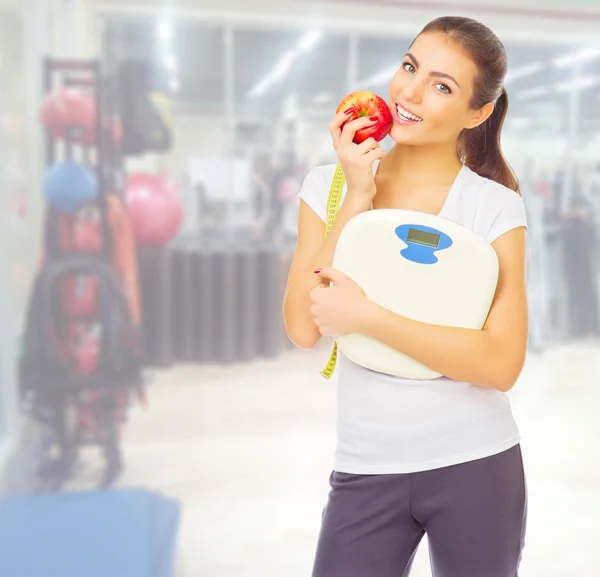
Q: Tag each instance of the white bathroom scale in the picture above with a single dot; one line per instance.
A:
(420, 266)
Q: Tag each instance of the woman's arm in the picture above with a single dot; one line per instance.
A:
(492, 357)
(313, 250)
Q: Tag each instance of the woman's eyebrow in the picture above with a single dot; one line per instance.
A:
(433, 73)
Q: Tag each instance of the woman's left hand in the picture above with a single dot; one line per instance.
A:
(339, 309)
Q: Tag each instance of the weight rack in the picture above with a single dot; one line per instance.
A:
(65, 414)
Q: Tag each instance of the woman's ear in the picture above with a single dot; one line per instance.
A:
(481, 115)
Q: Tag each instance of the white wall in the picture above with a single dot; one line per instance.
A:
(22, 44)
(72, 28)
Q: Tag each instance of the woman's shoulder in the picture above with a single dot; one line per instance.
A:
(499, 208)
(492, 188)
(315, 188)
(320, 175)
(492, 196)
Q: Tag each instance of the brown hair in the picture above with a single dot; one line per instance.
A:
(479, 148)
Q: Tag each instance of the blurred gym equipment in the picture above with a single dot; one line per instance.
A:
(154, 209)
(69, 185)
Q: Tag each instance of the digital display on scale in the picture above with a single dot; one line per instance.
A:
(422, 237)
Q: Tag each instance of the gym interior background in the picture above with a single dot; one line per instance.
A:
(159, 146)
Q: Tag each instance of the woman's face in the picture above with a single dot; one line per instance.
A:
(435, 83)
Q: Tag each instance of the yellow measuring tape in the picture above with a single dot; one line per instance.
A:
(333, 205)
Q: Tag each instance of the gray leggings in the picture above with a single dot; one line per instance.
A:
(474, 515)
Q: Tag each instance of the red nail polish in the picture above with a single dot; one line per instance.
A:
(373, 118)
(348, 111)
(317, 271)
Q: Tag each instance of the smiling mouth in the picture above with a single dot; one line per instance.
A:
(406, 115)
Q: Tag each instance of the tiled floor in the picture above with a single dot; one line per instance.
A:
(248, 450)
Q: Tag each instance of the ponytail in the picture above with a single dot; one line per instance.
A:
(481, 151)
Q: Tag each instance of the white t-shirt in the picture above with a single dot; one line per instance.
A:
(392, 425)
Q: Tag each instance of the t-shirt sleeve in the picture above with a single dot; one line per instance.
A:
(314, 192)
(510, 214)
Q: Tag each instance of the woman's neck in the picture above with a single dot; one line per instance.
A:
(417, 165)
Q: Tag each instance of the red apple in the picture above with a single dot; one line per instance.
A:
(365, 103)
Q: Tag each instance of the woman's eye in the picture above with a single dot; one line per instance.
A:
(442, 87)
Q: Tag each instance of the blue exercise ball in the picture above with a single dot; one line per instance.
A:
(69, 185)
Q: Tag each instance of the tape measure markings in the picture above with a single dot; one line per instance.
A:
(333, 205)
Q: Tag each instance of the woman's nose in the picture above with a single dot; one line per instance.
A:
(413, 91)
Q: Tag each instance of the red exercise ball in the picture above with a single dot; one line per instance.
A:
(70, 113)
(154, 208)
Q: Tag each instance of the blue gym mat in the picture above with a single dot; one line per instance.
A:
(113, 533)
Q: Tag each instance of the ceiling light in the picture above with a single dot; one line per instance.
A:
(259, 89)
(310, 40)
(170, 63)
(164, 30)
(380, 77)
(581, 84)
(283, 66)
(526, 70)
(560, 87)
(536, 92)
(281, 69)
(584, 55)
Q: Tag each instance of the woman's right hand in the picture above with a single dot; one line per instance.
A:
(356, 159)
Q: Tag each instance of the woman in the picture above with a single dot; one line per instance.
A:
(440, 457)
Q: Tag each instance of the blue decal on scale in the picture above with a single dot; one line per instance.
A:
(423, 242)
